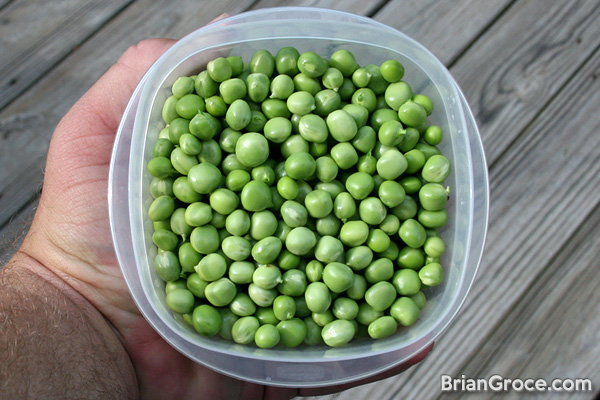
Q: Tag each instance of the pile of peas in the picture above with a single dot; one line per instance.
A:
(297, 199)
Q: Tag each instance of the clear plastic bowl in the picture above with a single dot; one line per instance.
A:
(322, 31)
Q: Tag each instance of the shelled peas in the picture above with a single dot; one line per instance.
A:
(297, 199)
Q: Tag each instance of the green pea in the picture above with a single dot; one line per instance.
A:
(330, 225)
(258, 120)
(211, 152)
(244, 330)
(282, 86)
(204, 126)
(433, 219)
(391, 165)
(337, 277)
(433, 196)
(169, 111)
(256, 196)
(258, 86)
(411, 184)
(204, 177)
(390, 224)
(182, 86)
(344, 60)
(345, 308)
(382, 327)
(359, 257)
(303, 82)
(286, 61)
(212, 267)
(292, 332)
(434, 246)
(415, 159)
(189, 105)
(166, 224)
(196, 285)
(261, 296)
(267, 276)
(300, 165)
(178, 224)
(238, 115)
(377, 84)
(347, 89)
(381, 295)
(405, 210)
(332, 78)
(242, 305)
(266, 316)
(405, 311)
(391, 193)
(301, 103)
(205, 239)
(293, 283)
(433, 135)
(300, 241)
(162, 187)
(314, 271)
(338, 332)
(431, 274)
(237, 179)
(372, 211)
(428, 150)
(419, 299)
(406, 282)
(267, 336)
(313, 128)
(241, 272)
(311, 64)
(397, 94)
(411, 139)
(284, 307)
(207, 320)
(391, 133)
(262, 62)
(188, 257)
(354, 233)
(224, 201)
(219, 69)
(379, 270)
(436, 169)
(318, 149)
(358, 288)
(318, 203)
(392, 71)
(252, 149)
(182, 162)
(367, 314)
(318, 297)
(205, 85)
(361, 77)
(326, 102)
(329, 249)
(220, 292)
(162, 148)
(341, 125)
(365, 139)
(412, 113)
(278, 129)
(161, 208)
(167, 266)
(238, 223)
(198, 214)
(412, 233)
(236, 248)
(313, 332)
(266, 250)
(344, 155)
(344, 206)
(263, 224)
(180, 300)
(294, 214)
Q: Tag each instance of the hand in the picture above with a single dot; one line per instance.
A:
(70, 236)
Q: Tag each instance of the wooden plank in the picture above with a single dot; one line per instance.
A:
(26, 125)
(359, 7)
(558, 319)
(542, 189)
(522, 62)
(32, 41)
(13, 232)
(445, 27)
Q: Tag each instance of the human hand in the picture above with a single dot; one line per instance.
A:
(70, 236)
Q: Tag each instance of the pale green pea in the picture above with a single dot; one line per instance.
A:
(341, 125)
(323, 318)
(301, 103)
(390, 224)
(329, 249)
(391, 165)
(311, 64)
(405, 311)
(244, 330)
(282, 86)
(266, 250)
(358, 288)
(344, 206)
(242, 305)
(224, 201)
(300, 241)
(205, 85)
(284, 307)
(318, 203)
(266, 316)
(382, 327)
(434, 246)
(182, 162)
(367, 314)
(256, 196)
(365, 139)
(293, 144)
(313, 128)
(196, 285)
(263, 62)
(354, 233)
(303, 82)
(419, 299)
(314, 271)
(236, 248)
(338, 332)
(431, 274)
(361, 78)
(205, 239)
(241, 272)
(337, 277)
(381, 295)
(318, 297)
(169, 111)
(345, 308)
(379, 270)
(262, 297)
(293, 283)
(220, 292)
(263, 224)
(167, 266)
(294, 214)
(267, 276)
(327, 169)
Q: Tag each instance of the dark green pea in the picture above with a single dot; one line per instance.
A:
(412, 114)
(178, 224)
(167, 266)
(282, 86)
(433, 219)
(228, 139)
(256, 196)
(196, 285)
(367, 163)
(382, 327)
(365, 139)
(367, 314)
(293, 283)
(284, 307)
(361, 78)
(411, 184)
(411, 258)
(204, 126)
(162, 148)
(205, 239)
(346, 90)
(433, 135)
(257, 121)
(332, 78)
(180, 300)
(292, 332)
(345, 308)
(263, 224)
(313, 128)
(330, 225)
(313, 332)
(412, 233)
(205, 85)
(165, 239)
(358, 288)
(415, 159)
(377, 84)
(236, 248)
(266, 316)
(428, 150)
(231, 163)
(391, 165)
(436, 169)
(169, 111)
(188, 257)
(314, 271)
(327, 101)
(379, 270)
(344, 155)
(318, 149)
(266, 250)
(207, 320)
(278, 129)
(419, 299)
(381, 116)
(198, 214)
(406, 282)
(411, 138)
(338, 332)
(241, 272)
(228, 320)
(354, 233)
(344, 206)
(258, 86)
(261, 296)
(211, 152)
(286, 61)
(288, 260)
(244, 330)
(381, 295)
(344, 61)
(272, 108)
(300, 241)
(303, 82)
(312, 64)
(238, 115)
(262, 62)
(405, 311)
(161, 208)
(318, 297)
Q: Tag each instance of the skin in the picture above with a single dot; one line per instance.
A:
(67, 271)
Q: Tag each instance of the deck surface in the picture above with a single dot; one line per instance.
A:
(529, 69)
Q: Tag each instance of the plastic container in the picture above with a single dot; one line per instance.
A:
(322, 31)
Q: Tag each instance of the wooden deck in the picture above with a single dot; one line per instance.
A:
(529, 69)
